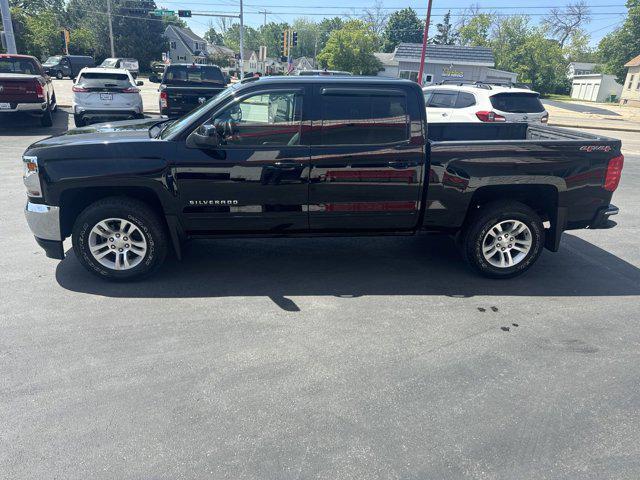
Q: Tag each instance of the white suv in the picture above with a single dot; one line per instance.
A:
(101, 94)
(481, 102)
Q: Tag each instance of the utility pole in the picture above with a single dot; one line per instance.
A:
(264, 12)
(8, 27)
(113, 51)
(242, 41)
(425, 37)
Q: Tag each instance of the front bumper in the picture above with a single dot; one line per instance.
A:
(44, 222)
(602, 220)
(38, 107)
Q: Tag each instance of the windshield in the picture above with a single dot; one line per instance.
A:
(52, 60)
(109, 62)
(194, 114)
(192, 75)
(18, 65)
(517, 102)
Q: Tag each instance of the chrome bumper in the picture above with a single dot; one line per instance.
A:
(44, 221)
(26, 107)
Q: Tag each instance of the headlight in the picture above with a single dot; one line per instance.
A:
(30, 176)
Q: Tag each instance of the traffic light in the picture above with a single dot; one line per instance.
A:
(283, 43)
(294, 40)
(184, 13)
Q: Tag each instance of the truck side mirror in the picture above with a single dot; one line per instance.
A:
(205, 136)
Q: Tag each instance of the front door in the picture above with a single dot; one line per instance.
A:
(256, 180)
(367, 160)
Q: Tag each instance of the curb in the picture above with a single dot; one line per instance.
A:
(595, 127)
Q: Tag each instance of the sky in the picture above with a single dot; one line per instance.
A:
(606, 14)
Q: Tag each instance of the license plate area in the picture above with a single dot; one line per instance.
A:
(106, 97)
(5, 106)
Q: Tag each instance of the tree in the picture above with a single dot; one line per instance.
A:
(325, 27)
(446, 34)
(403, 26)
(308, 36)
(376, 17)
(232, 38)
(475, 32)
(622, 44)
(564, 22)
(351, 49)
(212, 36)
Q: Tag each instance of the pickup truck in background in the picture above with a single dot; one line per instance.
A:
(185, 86)
(315, 156)
(25, 87)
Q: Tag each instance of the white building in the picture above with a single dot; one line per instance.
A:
(580, 68)
(595, 87)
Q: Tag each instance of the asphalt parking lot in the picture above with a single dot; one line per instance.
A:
(320, 358)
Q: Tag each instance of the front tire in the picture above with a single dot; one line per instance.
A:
(59, 75)
(119, 239)
(503, 239)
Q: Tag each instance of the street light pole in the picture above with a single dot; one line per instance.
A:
(8, 27)
(113, 51)
(425, 37)
(241, 42)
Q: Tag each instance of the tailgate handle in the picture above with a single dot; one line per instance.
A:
(287, 164)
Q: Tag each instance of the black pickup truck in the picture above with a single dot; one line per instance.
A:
(183, 87)
(303, 156)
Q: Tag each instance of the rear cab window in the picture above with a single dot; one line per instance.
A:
(193, 75)
(516, 102)
(19, 65)
(362, 116)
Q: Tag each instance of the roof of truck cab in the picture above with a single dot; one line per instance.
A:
(15, 55)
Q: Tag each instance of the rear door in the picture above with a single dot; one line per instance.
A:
(519, 106)
(367, 158)
(440, 103)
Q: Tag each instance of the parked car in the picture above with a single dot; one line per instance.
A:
(101, 94)
(61, 66)
(313, 73)
(25, 87)
(157, 68)
(130, 64)
(481, 102)
(185, 86)
(292, 156)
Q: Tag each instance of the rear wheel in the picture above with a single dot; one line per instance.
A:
(119, 239)
(46, 120)
(78, 120)
(59, 75)
(503, 239)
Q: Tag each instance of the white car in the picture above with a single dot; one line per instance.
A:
(101, 94)
(482, 102)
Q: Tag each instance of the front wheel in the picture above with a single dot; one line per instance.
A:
(59, 75)
(119, 239)
(503, 239)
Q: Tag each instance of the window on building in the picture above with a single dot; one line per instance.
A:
(172, 45)
(630, 82)
(365, 119)
(409, 75)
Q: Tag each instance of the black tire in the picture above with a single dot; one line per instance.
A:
(46, 120)
(141, 216)
(55, 104)
(78, 120)
(59, 75)
(473, 237)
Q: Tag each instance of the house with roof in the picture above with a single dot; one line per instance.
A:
(446, 62)
(580, 68)
(389, 64)
(630, 94)
(185, 46)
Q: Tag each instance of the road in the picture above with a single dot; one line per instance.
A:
(580, 108)
(321, 358)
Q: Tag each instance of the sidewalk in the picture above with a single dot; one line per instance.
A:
(627, 120)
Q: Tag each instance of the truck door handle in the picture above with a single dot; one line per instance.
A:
(287, 165)
(400, 164)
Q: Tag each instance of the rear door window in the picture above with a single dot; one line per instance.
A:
(443, 99)
(517, 102)
(465, 100)
(361, 118)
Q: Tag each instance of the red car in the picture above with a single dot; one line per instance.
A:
(25, 87)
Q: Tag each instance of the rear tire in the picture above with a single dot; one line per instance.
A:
(502, 239)
(79, 121)
(59, 75)
(120, 239)
(46, 120)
